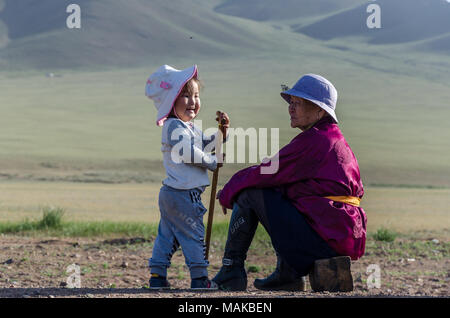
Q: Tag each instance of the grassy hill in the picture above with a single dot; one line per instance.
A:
(120, 33)
(3, 30)
(93, 118)
(401, 20)
(269, 10)
(33, 33)
(438, 44)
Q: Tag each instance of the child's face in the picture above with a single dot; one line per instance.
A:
(187, 104)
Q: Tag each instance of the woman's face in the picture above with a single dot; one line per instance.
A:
(303, 114)
(187, 104)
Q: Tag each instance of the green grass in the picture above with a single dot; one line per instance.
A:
(384, 235)
(408, 247)
(52, 218)
(402, 210)
(52, 224)
(384, 241)
(253, 268)
(80, 229)
(50, 221)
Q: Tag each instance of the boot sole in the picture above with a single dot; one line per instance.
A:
(332, 274)
(233, 285)
(295, 286)
(159, 288)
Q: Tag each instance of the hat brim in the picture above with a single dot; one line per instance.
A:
(182, 78)
(292, 92)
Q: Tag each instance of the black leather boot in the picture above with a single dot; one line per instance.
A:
(283, 278)
(232, 275)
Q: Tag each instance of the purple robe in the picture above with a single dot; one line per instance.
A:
(316, 163)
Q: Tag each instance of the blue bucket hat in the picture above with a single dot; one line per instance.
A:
(316, 89)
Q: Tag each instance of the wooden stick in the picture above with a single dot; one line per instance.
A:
(212, 197)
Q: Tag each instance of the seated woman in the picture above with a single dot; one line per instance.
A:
(309, 207)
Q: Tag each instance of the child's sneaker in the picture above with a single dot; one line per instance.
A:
(203, 283)
(158, 282)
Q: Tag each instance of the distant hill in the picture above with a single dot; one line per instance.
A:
(33, 33)
(440, 44)
(266, 10)
(3, 35)
(3, 29)
(116, 32)
(402, 21)
(393, 104)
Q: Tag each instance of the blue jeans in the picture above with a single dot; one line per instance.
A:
(181, 224)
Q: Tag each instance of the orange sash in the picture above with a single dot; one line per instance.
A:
(355, 201)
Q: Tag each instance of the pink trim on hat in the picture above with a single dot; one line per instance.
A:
(163, 119)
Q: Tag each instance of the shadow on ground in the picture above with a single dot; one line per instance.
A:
(98, 292)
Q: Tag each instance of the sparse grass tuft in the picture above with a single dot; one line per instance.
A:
(254, 269)
(52, 218)
(385, 235)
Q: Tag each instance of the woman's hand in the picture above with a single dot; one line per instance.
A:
(224, 209)
(224, 122)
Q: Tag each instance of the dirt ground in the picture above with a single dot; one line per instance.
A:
(38, 267)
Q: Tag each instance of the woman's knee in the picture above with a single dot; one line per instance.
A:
(249, 197)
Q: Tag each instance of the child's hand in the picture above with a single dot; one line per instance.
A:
(224, 121)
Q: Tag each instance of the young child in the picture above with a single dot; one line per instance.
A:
(177, 98)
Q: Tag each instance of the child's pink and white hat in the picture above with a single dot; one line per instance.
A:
(164, 86)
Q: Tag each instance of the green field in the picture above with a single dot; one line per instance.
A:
(402, 210)
(396, 124)
(86, 139)
(97, 128)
